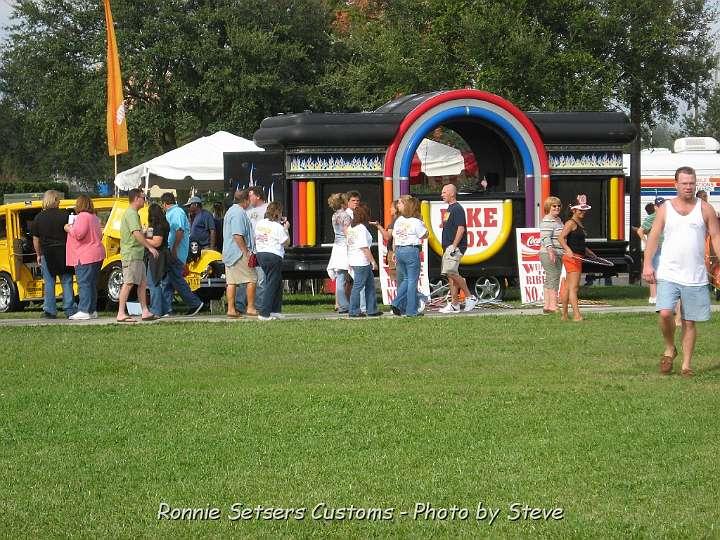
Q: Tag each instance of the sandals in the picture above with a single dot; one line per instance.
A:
(687, 372)
(666, 363)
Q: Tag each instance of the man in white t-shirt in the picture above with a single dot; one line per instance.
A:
(681, 274)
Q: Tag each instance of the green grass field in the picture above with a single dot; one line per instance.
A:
(102, 425)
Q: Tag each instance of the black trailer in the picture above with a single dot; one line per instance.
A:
(511, 162)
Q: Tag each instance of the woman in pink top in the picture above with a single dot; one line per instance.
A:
(85, 252)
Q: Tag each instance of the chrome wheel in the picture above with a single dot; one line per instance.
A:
(8, 294)
(488, 289)
(5, 295)
(114, 283)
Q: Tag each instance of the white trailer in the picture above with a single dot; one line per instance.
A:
(658, 166)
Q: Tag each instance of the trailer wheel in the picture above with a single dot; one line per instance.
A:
(9, 300)
(489, 288)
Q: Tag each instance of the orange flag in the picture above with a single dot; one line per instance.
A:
(116, 124)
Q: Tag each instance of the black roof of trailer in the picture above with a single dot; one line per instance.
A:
(378, 128)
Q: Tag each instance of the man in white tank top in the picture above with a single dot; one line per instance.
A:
(681, 275)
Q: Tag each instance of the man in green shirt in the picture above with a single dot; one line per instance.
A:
(132, 252)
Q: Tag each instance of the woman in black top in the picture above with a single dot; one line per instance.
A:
(572, 240)
(157, 234)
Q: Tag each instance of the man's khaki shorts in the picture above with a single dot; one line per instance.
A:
(451, 263)
(133, 272)
(240, 272)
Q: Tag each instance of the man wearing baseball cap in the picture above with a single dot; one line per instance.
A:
(202, 224)
(642, 232)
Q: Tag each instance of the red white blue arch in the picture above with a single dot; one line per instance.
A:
(455, 105)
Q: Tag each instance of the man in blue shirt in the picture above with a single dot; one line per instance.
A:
(202, 224)
(238, 243)
(179, 244)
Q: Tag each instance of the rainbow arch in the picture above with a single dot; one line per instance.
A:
(455, 105)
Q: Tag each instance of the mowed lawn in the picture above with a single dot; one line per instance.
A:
(102, 425)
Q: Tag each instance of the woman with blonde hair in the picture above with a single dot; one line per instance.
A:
(408, 234)
(85, 252)
(49, 240)
(338, 267)
(551, 252)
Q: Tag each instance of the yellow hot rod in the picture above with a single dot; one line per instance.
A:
(20, 276)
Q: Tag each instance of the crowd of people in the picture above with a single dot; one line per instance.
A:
(352, 263)
(252, 236)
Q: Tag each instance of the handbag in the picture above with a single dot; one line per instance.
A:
(252, 261)
(391, 262)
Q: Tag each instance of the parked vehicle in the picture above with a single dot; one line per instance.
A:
(20, 276)
(506, 163)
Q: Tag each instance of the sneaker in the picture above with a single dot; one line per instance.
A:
(277, 315)
(166, 316)
(47, 315)
(470, 303)
(376, 314)
(94, 315)
(450, 308)
(79, 316)
(395, 311)
(270, 318)
(651, 300)
(194, 311)
(357, 315)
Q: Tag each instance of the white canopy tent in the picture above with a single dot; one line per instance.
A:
(201, 160)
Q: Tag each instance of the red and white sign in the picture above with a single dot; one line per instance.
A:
(530, 270)
(388, 285)
(484, 221)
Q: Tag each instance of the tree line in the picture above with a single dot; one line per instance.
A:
(192, 67)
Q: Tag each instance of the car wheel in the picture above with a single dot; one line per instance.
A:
(114, 282)
(489, 288)
(8, 294)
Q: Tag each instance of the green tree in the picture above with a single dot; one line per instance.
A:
(706, 123)
(190, 67)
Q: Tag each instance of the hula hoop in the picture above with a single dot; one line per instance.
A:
(593, 260)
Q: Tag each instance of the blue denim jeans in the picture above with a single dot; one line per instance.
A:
(342, 300)
(159, 304)
(408, 264)
(174, 281)
(363, 279)
(87, 278)
(271, 300)
(50, 305)
(261, 287)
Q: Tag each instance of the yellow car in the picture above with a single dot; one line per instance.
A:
(20, 276)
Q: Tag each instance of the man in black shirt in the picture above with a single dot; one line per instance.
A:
(49, 237)
(454, 243)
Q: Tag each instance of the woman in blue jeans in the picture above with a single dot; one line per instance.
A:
(156, 267)
(408, 234)
(85, 252)
(271, 239)
(362, 262)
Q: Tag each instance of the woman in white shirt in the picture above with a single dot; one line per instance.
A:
(271, 238)
(408, 234)
(363, 264)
